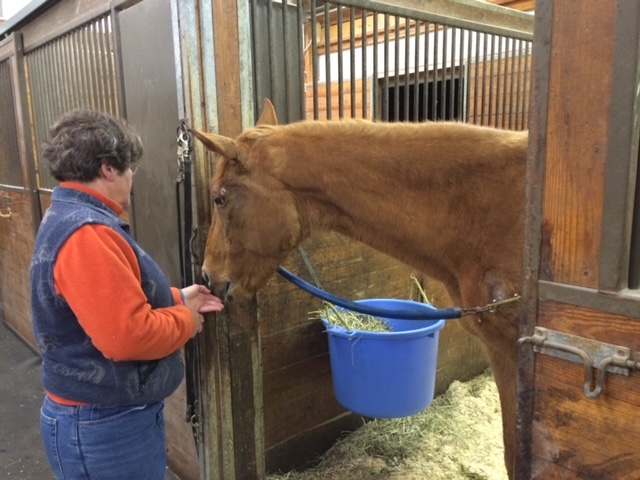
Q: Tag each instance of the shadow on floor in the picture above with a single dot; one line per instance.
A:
(22, 455)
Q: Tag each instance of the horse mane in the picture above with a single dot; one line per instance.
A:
(357, 128)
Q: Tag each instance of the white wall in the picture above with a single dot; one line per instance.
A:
(8, 8)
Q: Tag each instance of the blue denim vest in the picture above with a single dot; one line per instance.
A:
(71, 366)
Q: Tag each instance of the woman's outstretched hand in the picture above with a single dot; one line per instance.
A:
(199, 300)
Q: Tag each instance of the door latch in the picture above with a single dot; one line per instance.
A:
(604, 357)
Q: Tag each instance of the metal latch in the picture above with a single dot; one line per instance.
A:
(604, 357)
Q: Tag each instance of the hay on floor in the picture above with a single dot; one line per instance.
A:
(458, 437)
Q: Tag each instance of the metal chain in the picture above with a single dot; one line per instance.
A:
(490, 307)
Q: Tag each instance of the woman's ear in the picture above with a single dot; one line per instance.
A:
(107, 171)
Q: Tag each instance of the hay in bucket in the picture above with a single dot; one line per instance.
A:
(458, 438)
(349, 319)
(352, 321)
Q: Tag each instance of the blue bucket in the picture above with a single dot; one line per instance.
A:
(386, 374)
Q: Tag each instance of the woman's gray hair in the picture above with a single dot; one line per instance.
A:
(83, 140)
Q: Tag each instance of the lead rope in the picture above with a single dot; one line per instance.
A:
(406, 314)
(186, 231)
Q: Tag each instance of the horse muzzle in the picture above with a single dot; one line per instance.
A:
(219, 289)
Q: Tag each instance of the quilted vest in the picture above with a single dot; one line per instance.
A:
(72, 367)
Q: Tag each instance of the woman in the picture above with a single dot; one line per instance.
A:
(107, 323)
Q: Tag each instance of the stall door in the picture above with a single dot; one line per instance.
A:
(579, 384)
(19, 206)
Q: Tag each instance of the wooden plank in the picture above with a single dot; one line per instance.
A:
(228, 78)
(593, 439)
(292, 393)
(574, 179)
(574, 436)
(589, 323)
(302, 450)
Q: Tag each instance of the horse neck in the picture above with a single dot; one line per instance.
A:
(438, 197)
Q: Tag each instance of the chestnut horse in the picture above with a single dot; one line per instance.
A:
(445, 198)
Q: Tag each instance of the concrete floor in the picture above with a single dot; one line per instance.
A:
(22, 455)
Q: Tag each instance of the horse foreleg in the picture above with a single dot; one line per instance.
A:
(504, 372)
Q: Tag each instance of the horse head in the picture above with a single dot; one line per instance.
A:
(255, 223)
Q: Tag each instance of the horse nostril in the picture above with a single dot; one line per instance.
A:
(207, 280)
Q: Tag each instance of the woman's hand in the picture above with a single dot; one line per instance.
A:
(199, 299)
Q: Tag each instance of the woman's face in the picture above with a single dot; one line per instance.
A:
(122, 188)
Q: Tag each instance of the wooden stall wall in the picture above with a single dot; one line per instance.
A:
(575, 421)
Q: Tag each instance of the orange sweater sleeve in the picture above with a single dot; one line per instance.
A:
(98, 274)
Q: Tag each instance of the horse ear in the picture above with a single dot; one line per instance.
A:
(268, 116)
(217, 143)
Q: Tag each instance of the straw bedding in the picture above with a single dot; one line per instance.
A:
(458, 437)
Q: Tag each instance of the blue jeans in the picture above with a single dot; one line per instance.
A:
(104, 443)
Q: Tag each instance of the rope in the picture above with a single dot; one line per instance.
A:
(412, 311)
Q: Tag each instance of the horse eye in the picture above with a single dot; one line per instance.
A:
(219, 201)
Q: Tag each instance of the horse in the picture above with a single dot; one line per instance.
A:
(445, 198)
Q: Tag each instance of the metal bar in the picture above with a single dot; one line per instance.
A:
(104, 61)
(315, 59)
(484, 81)
(20, 78)
(91, 86)
(35, 67)
(273, 68)
(58, 83)
(484, 17)
(111, 67)
(95, 68)
(374, 83)
(121, 106)
(416, 73)
(491, 121)
(476, 74)
(352, 52)
(79, 71)
(258, 60)
(525, 90)
(518, 86)
(385, 84)
(407, 70)
(463, 75)
(365, 70)
(499, 113)
(396, 69)
(436, 67)
(512, 76)
(301, 55)
(340, 65)
(426, 74)
(67, 73)
(442, 111)
(285, 54)
(327, 57)
(452, 66)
